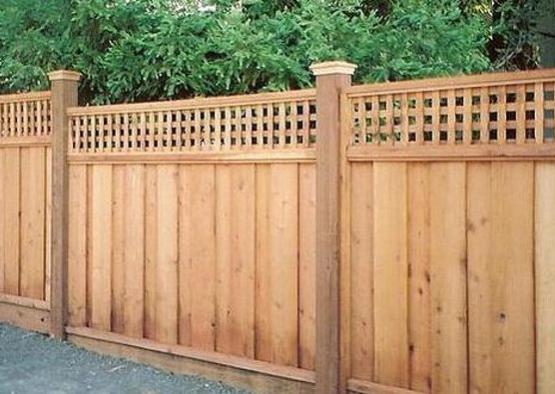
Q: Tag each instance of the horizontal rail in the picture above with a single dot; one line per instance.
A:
(452, 153)
(461, 82)
(207, 157)
(14, 142)
(30, 96)
(196, 103)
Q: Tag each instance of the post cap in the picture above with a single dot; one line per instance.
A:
(65, 75)
(334, 67)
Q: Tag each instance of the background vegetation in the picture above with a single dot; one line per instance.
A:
(137, 50)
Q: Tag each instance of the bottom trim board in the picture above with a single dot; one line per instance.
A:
(24, 301)
(25, 317)
(256, 376)
(365, 387)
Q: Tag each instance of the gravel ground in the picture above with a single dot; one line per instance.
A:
(33, 363)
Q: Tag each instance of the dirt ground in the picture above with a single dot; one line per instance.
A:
(33, 363)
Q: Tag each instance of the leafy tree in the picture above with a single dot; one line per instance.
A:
(160, 49)
(33, 41)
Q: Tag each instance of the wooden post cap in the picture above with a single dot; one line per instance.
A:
(65, 75)
(335, 67)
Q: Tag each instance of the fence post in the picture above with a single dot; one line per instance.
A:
(331, 77)
(64, 95)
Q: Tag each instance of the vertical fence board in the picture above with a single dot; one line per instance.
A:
(419, 276)
(134, 256)
(151, 251)
(48, 229)
(89, 236)
(448, 277)
(242, 217)
(362, 260)
(500, 236)
(197, 258)
(545, 277)
(235, 242)
(77, 246)
(224, 244)
(101, 246)
(390, 274)
(10, 219)
(187, 236)
(277, 263)
(284, 263)
(263, 297)
(167, 254)
(119, 193)
(479, 235)
(512, 261)
(307, 265)
(32, 235)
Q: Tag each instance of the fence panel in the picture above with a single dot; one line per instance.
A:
(448, 248)
(204, 241)
(192, 232)
(25, 160)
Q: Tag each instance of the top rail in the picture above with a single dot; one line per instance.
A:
(29, 96)
(195, 103)
(460, 82)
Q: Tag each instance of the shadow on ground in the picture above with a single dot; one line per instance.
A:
(33, 363)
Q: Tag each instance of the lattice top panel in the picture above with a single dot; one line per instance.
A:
(25, 115)
(262, 121)
(507, 108)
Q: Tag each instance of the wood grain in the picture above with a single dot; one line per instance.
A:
(419, 209)
(448, 266)
(362, 272)
(166, 311)
(134, 256)
(77, 253)
(307, 265)
(197, 257)
(235, 239)
(390, 275)
(101, 247)
(33, 217)
(545, 276)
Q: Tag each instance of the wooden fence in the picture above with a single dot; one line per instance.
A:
(25, 160)
(385, 238)
(213, 250)
(450, 193)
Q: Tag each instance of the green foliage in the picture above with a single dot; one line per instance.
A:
(160, 49)
(514, 44)
(33, 41)
(425, 38)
